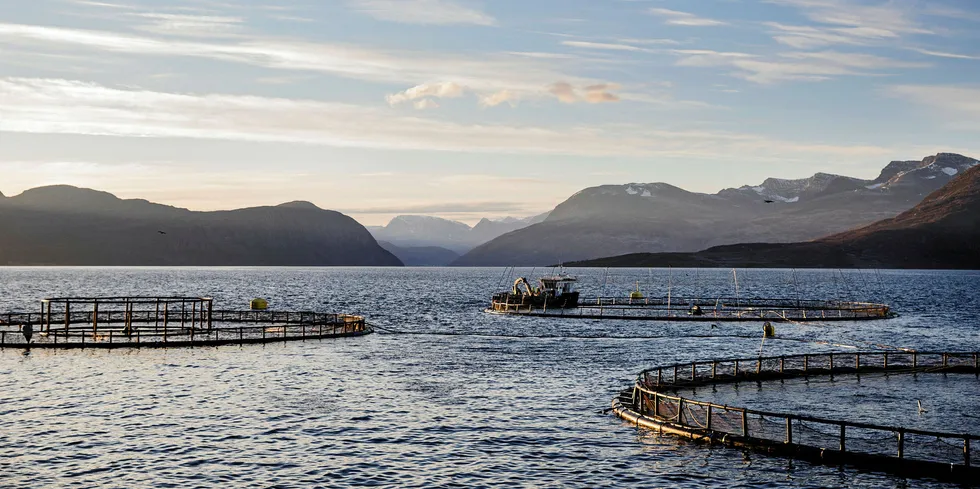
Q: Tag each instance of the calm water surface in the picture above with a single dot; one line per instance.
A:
(482, 407)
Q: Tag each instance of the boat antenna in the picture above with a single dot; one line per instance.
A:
(796, 286)
(738, 301)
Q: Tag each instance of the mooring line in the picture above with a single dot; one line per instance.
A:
(867, 343)
(393, 332)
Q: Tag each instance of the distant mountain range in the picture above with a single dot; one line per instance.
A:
(657, 217)
(427, 232)
(62, 225)
(421, 256)
(941, 232)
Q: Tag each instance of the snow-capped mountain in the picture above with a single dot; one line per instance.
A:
(655, 217)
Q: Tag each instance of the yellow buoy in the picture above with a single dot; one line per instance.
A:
(636, 294)
(259, 304)
(768, 330)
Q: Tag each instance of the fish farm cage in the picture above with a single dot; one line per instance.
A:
(145, 322)
(654, 403)
(699, 309)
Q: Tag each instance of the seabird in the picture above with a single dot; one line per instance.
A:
(161, 232)
(770, 201)
(921, 409)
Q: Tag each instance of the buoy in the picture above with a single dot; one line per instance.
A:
(768, 330)
(259, 304)
(636, 294)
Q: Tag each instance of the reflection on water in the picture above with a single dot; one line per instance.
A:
(418, 410)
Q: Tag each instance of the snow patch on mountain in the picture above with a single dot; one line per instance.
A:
(950, 171)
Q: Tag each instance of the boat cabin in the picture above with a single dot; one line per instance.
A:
(558, 285)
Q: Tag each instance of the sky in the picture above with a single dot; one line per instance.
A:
(473, 108)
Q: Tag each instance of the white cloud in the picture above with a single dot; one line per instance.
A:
(798, 66)
(525, 77)
(45, 106)
(676, 17)
(601, 46)
(943, 54)
(959, 101)
(503, 96)
(848, 22)
(190, 25)
(426, 104)
(438, 90)
(439, 12)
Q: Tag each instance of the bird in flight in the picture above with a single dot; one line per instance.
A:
(770, 201)
(161, 232)
(921, 409)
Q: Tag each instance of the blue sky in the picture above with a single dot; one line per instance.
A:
(467, 108)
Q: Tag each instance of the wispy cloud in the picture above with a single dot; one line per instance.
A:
(601, 46)
(943, 54)
(438, 12)
(676, 17)
(847, 22)
(202, 26)
(525, 78)
(72, 107)
(794, 66)
(959, 105)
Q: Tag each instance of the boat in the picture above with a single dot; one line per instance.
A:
(554, 292)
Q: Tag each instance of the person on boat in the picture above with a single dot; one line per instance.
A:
(696, 310)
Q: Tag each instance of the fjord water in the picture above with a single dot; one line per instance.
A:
(468, 400)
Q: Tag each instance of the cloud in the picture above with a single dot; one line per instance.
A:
(793, 66)
(503, 96)
(426, 104)
(593, 94)
(942, 54)
(962, 102)
(601, 46)
(525, 78)
(49, 106)
(854, 23)
(438, 90)
(676, 17)
(190, 25)
(437, 12)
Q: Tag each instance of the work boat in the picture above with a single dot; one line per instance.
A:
(555, 292)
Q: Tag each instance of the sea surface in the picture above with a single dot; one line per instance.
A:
(447, 395)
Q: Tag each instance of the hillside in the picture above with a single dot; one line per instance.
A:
(942, 232)
(64, 225)
(651, 218)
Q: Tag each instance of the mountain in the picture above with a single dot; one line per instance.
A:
(428, 232)
(658, 217)
(63, 225)
(423, 256)
(941, 232)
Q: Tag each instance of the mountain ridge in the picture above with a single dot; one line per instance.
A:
(659, 217)
(941, 232)
(66, 225)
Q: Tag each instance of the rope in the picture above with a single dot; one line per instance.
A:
(388, 331)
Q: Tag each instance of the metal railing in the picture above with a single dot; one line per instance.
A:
(700, 309)
(654, 399)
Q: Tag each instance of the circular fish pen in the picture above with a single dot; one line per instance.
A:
(164, 322)
(704, 310)
(654, 403)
